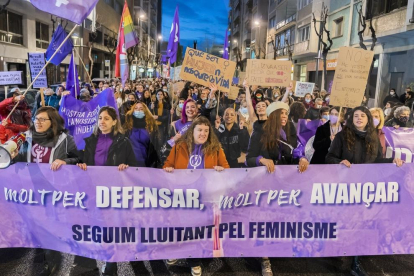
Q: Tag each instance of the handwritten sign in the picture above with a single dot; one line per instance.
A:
(242, 76)
(177, 71)
(234, 92)
(204, 69)
(36, 63)
(10, 77)
(302, 88)
(351, 77)
(266, 72)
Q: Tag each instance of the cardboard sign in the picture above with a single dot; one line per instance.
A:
(10, 77)
(36, 63)
(351, 77)
(234, 92)
(204, 69)
(242, 76)
(178, 86)
(265, 72)
(177, 71)
(302, 88)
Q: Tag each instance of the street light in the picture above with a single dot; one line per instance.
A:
(159, 37)
(235, 41)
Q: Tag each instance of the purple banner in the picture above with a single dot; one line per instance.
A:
(80, 117)
(399, 143)
(147, 214)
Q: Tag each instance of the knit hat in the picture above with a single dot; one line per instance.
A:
(275, 106)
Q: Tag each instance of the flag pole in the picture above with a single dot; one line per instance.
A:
(74, 74)
(86, 70)
(44, 67)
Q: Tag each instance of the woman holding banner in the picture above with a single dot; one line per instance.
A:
(274, 144)
(142, 131)
(358, 143)
(325, 135)
(378, 116)
(198, 148)
(107, 146)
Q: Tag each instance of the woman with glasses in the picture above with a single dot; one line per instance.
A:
(47, 141)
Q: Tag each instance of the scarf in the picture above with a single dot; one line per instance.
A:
(138, 123)
(44, 139)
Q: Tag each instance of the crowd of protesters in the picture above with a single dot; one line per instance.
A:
(200, 128)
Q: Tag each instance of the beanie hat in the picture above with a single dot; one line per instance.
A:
(275, 106)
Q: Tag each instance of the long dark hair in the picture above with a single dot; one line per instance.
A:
(271, 130)
(371, 138)
(57, 126)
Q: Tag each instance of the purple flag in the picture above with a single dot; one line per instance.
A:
(72, 10)
(306, 134)
(148, 214)
(174, 38)
(80, 117)
(226, 46)
(72, 80)
(58, 36)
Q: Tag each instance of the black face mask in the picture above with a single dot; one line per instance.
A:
(131, 102)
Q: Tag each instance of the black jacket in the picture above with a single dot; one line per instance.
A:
(281, 154)
(234, 142)
(390, 98)
(312, 113)
(120, 152)
(339, 151)
(321, 143)
(395, 122)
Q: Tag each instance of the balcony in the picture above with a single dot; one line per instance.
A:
(235, 30)
(390, 26)
(285, 51)
(302, 48)
(285, 22)
(236, 3)
(236, 16)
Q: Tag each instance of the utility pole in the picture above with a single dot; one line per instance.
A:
(318, 58)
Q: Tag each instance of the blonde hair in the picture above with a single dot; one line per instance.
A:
(151, 125)
(381, 115)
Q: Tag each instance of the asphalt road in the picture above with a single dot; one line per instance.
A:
(18, 262)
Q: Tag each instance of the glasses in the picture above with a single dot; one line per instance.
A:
(41, 120)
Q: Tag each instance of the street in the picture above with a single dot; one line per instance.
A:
(28, 262)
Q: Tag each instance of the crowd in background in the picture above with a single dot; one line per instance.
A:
(197, 127)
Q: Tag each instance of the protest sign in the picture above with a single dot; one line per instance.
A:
(36, 63)
(234, 92)
(351, 77)
(302, 88)
(10, 77)
(178, 86)
(266, 72)
(148, 214)
(204, 69)
(177, 71)
(399, 143)
(80, 117)
(242, 76)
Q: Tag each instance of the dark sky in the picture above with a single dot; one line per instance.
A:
(202, 20)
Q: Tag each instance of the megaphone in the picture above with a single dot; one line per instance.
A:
(9, 147)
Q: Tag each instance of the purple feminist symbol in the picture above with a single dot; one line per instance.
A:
(195, 161)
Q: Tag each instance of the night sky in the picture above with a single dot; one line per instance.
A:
(202, 20)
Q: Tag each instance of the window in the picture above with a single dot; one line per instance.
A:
(338, 27)
(302, 73)
(378, 7)
(304, 3)
(42, 35)
(304, 33)
(272, 22)
(96, 37)
(118, 7)
(11, 28)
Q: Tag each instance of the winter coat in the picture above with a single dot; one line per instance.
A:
(180, 156)
(281, 154)
(120, 151)
(144, 150)
(313, 113)
(234, 142)
(7, 132)
(390, 98)
(321, 143)
(65, 150)
(357, 155)
(395, 122)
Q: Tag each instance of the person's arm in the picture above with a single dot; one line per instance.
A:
(252, 115)
(170, 162)
(253, 150)
(4, 104)
(17, 128)
(222, 161)
(334, 155)
(72, 151)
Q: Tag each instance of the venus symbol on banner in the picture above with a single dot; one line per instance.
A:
(195, 160)
(61, 2)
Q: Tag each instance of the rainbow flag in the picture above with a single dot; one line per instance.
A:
(131, 38)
